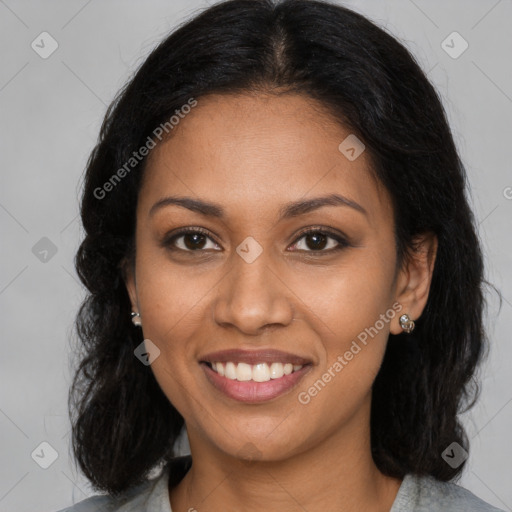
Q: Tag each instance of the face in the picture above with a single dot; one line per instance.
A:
(256, 275)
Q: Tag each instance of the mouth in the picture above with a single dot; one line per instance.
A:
(260, 372)
(254, 376)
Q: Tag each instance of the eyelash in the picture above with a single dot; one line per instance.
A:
(342, 242)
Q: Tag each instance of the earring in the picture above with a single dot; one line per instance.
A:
(136, 320)
(406, 323)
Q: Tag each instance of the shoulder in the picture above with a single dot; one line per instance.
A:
(137, 498)
(426, 494)
(149, 496)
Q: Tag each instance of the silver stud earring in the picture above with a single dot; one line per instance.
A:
(406, 323)
(136, 320)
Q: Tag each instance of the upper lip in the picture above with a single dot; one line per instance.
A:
(255, 357)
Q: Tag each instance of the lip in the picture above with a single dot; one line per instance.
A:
(251, 391)
(254, 357)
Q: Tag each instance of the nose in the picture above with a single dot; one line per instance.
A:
(253, 297)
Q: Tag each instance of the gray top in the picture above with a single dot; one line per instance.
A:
(416, 494)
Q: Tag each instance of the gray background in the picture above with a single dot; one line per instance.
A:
(51, 110)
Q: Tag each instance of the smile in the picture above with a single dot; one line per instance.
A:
(261, 372)
(256, 383)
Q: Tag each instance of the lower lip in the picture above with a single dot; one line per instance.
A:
(251, 391)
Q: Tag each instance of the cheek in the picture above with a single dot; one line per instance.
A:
(169, 297)
(348, 298)
(353, 306)
(171, 322)
(354, 345)
(171, 307)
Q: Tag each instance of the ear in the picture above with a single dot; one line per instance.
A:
(128, 273)
(414, 278)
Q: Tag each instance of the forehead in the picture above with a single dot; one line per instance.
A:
(258, 152)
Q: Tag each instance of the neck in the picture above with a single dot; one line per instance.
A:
(339, 474)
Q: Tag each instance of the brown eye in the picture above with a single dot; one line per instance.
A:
(316, 240)
(312, 240)
(190, 240)
(194, 241)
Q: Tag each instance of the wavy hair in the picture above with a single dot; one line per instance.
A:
(123, 426)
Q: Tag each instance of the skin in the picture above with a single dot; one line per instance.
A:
(251, 154)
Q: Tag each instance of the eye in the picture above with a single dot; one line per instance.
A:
(189, 240)
(317, 240)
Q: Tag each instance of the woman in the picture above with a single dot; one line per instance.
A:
(277, 202)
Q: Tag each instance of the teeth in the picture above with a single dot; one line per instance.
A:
(230, 372)
(243, 372)
(260, 372)
(220, 369)
(276, 370)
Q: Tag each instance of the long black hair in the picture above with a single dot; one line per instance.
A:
(123, 425)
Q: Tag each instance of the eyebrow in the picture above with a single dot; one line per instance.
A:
(289, 210)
